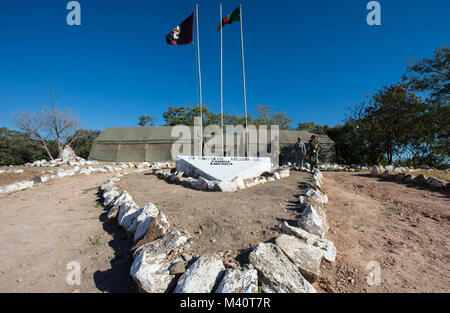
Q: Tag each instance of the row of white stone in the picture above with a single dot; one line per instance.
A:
(21, 185)
(153, 260)
(289, 265)
(223, 186)
(406, 178)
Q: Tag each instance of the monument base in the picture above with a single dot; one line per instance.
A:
(222, 168)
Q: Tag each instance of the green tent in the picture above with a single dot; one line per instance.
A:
(138, 144)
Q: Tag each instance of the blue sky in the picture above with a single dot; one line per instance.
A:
(311, 59)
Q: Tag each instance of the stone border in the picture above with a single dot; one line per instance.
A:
(420, 180)
(61, 173)
(161, 264)
(235, 184)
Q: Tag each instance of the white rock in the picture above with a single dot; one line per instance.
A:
(160, 247)
(327, 246)
(152, 275)
(435, 182)
(85, 171)
(237, 281)
(276, 272)
(306, 257)
(19, 171)
(239, 183)
(62, 173)
(45, 178)
(128, 212)
(201, 276)
(313, 221)
(67, 155)
(107, 186)
(276, 175)
(117, 202)
(109, 168)
(143, 222)
(316, 195)
(227, 186)
(303, 200)
(109, 196)
(376, 171)
(150, 268)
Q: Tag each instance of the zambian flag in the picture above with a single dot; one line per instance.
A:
(234, 16)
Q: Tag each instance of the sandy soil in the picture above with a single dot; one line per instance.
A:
(10, 178)
(216, 221)
(47, 226)
(404, 229)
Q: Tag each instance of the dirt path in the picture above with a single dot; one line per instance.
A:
(404, 229)
(44, 228)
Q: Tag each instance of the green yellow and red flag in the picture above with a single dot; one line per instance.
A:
(234, 16)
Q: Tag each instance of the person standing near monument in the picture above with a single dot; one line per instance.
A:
(314, 147)
(300, 152)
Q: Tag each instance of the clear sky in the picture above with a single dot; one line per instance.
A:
(311, 59)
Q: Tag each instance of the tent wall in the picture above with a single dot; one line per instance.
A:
(138, 144)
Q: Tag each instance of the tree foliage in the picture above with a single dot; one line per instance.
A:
(184, 115)
(146, 120)
(17, 148)
(411, 119)
(82, 141)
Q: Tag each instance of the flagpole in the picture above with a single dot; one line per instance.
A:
(199, 82)
(221, 76)
(243, 70)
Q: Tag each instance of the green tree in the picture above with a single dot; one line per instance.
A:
(184, 115)
(146, 120)
(82, 142)
(313, 128)
(17, 148)
(430, 79)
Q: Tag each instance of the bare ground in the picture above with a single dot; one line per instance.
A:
(220, 221)
(11, 178)
(403, 228)
(45, 227)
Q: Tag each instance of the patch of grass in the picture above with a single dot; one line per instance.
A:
(85, 191)
(112, 257)
(98, 206)
(95, 240)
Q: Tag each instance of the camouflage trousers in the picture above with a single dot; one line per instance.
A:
(299, 159)
(316, 159)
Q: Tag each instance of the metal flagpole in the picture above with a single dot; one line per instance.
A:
(221, 76)
(243, 71)
(199, 82)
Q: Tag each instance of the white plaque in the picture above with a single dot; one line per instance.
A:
(222, 168)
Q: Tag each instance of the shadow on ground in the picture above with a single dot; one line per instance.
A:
(117, 279)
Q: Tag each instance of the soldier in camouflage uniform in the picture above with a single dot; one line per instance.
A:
(300, 152)
(314, 147)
